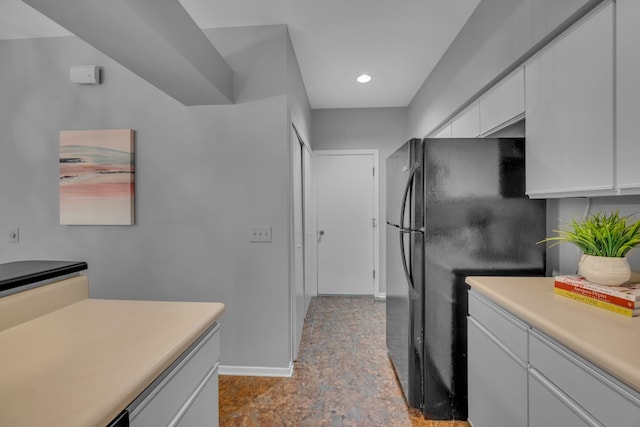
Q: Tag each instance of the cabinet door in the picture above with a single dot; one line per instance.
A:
(628, 94)
(176, 394)
(497, 382)
(203, 411)
(569, 111)
(502, 103)
(443, 132)
(467, 123)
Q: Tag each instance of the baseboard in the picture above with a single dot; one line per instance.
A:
(381, 296)
(256, 371)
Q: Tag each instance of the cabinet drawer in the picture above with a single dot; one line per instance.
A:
(163, 399)
(511, 331)
(611, 402)
(548, 406)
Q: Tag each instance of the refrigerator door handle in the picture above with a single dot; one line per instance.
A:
(413, 294)
(405, 194)
(403, 206)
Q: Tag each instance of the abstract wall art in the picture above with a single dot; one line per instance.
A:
(97, 185)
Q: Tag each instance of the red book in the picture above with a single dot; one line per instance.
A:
(626, 295)
(595, 295)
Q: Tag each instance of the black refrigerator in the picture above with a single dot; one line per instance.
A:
(455, 207)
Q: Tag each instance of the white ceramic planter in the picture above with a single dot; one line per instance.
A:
(609, 271)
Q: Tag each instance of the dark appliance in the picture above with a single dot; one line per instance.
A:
(18, 276)
(455, 207)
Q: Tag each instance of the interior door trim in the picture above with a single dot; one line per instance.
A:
(377, 293)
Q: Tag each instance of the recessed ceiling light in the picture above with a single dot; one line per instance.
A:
(364, 78)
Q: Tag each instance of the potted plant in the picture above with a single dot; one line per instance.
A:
(604, 241)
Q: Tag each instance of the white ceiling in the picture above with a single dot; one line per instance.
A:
(397, 42)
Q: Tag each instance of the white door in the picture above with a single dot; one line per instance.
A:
(346, 221)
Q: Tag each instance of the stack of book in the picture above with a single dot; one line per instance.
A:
(623, 299)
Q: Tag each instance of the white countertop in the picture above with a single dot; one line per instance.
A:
(608, 340)
(82, 364)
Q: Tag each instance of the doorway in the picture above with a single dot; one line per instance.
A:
(347, 221)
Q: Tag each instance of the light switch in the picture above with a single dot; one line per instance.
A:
(14, 235)
(260, 233)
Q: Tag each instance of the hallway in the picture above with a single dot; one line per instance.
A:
(342, 377)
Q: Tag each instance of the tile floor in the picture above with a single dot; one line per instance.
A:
(342, 377)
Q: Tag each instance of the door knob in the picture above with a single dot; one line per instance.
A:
(321, 232)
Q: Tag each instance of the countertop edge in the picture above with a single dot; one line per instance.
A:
(165, 362)
(82, 325)
(620, 366)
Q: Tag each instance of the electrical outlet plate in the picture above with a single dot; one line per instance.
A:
(260, 233)
(14, 235)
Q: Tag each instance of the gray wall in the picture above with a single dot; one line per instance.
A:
(564, 258)
(204, 175)
(383, 129)
(299, 106)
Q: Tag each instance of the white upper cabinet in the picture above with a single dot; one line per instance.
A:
(467, 123)
(628, 94)
(443, 132)
(570, 111)
(503, 103)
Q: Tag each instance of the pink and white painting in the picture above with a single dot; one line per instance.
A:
(97, 185)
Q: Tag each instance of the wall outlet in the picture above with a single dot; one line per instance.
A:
(14, 235)
(260, 233)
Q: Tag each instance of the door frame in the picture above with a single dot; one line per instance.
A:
(376, 208)
(295, 317)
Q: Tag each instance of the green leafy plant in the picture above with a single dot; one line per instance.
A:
(601, 235)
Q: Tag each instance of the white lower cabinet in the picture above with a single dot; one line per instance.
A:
(488, 391)
(497, 365)
(518, 376)
(186, 394)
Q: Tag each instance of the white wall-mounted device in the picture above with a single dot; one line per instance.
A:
(85, 74)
